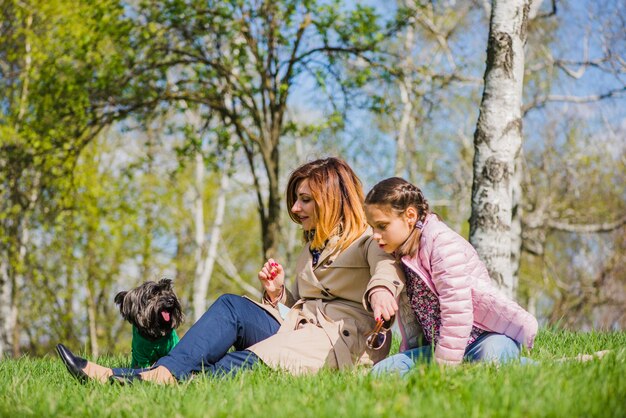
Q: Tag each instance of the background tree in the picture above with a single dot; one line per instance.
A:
(562, 117)
(242, 60)
(498, 140)
(57, 64)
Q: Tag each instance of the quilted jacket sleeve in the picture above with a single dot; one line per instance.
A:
(450, 269)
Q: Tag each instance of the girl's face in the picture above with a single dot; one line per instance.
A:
(391, 230)
(304, 206)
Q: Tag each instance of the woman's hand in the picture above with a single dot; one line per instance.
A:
(272, 276)
(383, 303)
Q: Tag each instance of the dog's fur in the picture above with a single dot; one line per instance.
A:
(153, 309)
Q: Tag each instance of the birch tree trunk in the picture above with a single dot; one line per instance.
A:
(199, 291)
(11, 275)
(6, 291)
(498, 139)
(516, 221)
(206, 255)
(407, 104)
(92, 318)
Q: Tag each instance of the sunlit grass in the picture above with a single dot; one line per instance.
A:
(42, 387)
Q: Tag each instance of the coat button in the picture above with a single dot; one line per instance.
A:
(397, 283)
(325, 293)
(346, 332)
(328, 263)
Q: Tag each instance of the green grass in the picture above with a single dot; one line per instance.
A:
(43, 388)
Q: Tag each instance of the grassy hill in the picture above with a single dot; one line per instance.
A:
(552, 388)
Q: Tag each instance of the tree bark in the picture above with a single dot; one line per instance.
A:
(92, 318)
(91, 302)
(6, 292)
(407, 104)
(205, 263)
(199, 288)
(11, 267)
(516, 221)
(271, 226)
(498, 139)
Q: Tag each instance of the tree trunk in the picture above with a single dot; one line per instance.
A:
(516, 221)
(92, 275)
(13, 273)
(199, 291)
(92, 318)
(270, 213)
(205, 264)
(407, 105)
(272, 227)
(6, 292)
(19, 280)
(498, 139)
(10, 276)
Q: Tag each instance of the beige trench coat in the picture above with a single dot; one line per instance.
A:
(329, 316)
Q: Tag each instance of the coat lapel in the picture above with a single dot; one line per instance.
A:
(305, 266)
(329, 253)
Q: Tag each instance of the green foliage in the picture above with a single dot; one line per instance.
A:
(550, 388)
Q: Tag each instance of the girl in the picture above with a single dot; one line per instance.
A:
(462, 314)
(319, 323)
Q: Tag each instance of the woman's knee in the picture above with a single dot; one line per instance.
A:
(228, 298)
(230, 301)
(226, 305)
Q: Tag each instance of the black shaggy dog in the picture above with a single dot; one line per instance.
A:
(155, 312)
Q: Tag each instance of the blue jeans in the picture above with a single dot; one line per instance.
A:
(232, 321)
(489, 347)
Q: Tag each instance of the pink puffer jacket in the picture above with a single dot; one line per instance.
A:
(450, 267)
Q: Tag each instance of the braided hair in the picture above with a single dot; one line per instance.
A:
(398, 194)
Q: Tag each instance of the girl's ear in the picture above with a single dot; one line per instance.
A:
(411, 215)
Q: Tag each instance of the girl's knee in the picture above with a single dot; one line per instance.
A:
(399, 364)
(500, 349)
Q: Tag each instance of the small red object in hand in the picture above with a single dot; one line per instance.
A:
(273, 272)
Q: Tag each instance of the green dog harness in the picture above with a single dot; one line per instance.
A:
(146, 352)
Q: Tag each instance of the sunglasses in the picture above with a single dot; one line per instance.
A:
(376, 338)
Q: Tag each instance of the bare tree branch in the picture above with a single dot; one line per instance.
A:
(536, 15)
(587, 228)
(229, 267)
(541, 102)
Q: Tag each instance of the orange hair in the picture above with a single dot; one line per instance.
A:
(338, 196)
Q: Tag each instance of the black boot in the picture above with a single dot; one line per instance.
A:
(74, 364)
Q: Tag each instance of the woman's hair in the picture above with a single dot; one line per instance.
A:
(338, 196)
(399, 195)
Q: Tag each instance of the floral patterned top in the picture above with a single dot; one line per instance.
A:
(425, 304)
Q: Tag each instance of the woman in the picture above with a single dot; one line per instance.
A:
(339, 276)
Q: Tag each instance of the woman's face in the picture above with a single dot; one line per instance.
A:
(390, 229)
(304, 206)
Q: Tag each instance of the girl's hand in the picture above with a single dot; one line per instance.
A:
(272, 276)
(383, 303)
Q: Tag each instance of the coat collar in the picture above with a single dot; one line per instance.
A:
(328, 253)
